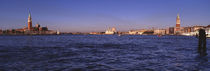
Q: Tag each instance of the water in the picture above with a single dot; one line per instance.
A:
(101, 52)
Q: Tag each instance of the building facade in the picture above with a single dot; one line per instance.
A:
(111, 31)
(207, 29)
(1, 31)
(136, 32)
(171, 30)
(160, 32)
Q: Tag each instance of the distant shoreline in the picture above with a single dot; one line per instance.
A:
(78, 34)
(97, 34)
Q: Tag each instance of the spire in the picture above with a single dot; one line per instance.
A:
(178, 19)
(178, 15)
(29, 16)
(29, 21)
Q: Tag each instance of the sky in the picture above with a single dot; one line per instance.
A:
(98, 15)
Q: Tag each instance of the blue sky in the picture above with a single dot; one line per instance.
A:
(98, 15)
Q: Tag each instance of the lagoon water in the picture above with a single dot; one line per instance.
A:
(102, 53)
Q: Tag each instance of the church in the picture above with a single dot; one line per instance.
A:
(32, 30)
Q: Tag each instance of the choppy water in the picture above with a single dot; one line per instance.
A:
(101, 52)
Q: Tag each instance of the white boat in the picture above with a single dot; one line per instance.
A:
(57, 32)
(208, 35)
(207, 32)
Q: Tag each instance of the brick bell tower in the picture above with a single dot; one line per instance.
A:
(177, 29)
(29, 22)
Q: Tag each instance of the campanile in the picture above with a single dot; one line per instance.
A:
(29, 22)
(177, 28)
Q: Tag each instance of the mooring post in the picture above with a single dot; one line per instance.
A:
(202, 42)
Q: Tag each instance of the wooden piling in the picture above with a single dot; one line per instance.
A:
(202, 42)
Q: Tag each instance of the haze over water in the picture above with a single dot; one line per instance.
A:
(101, 52)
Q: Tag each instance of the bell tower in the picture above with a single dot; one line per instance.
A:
(177, 28)
(29, 22)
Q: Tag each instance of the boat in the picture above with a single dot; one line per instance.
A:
(57, 32)
(208, 36)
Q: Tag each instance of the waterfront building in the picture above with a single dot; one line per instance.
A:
(132, 32)
(187, 29)
(137, 32)
(37, 26)
(167, 31)
(124, 33)
(43, 29)
(192, 31)
(159, 32)
(196, 28)
(207, 29)
(93, 33)
(111, 31)
(171, 30)
(96, 33)
(1, 31)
